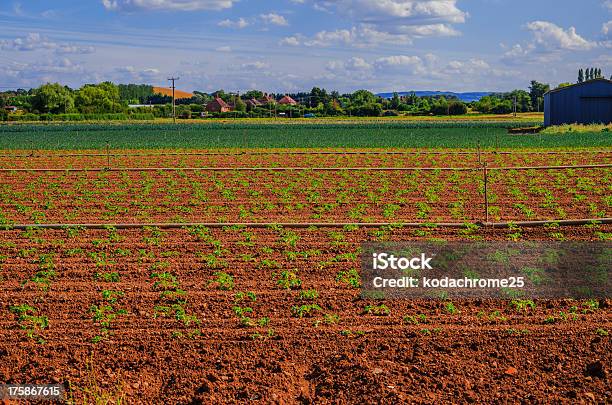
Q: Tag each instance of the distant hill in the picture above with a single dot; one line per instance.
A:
(465, 97)
(164, 91)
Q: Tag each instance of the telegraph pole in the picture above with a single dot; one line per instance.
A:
(173, 79)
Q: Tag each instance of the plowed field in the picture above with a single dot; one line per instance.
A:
(274, 315)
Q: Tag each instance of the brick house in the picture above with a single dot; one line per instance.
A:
(218, 106)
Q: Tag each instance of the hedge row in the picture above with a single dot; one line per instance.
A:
(81, 117)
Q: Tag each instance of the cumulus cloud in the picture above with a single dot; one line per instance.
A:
(238, 24)
(274, 19)
(166, 5)
(361, 36)
(33, 74)
(548, 43)
(132, 74)
(291, 41)
(389, 20)
(552, 37)
(34, 41)
(606, 33)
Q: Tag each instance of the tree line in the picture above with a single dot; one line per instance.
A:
(53, 100)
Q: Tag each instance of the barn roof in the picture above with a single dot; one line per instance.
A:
(601, 79)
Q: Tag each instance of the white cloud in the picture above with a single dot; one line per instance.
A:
(362, 36)
(132, 74)
(549, 36)
(238, 24)
(35, 41)
(274, 19)
(224, 49)
(255, 65)
(397, 20)
(290, 41)
(548, 44)
(167, 5)
(606, 32)
(608, 4)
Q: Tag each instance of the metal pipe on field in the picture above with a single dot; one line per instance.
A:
(263, 153)
(163, 225)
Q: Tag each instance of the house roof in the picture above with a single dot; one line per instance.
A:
(267, 99)
(601, 79)
(287, 100)
(220, 101)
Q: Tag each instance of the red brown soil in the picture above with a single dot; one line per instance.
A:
(476, 355)
(278, 158)
(303, 196)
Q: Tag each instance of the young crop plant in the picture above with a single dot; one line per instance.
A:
(450, 308)
(415, 319)
(309, 295)
(172, 300)
(30, 321)
(350, 277)
(377, 310)
(304, 311)
(46, 272)
(223, 281)
(241, 313)
(328, 319)
(522, 305)
(106, 313)
(287, 279)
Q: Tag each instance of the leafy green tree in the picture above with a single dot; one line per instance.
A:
(318, 95)
(536, 91)
(256, 94)
(52, 98)
(139, 93)
(395, 101)
(99, 98)
(239, 105)
(363, 97)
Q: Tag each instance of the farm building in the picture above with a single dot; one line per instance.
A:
(287, 101)
(11, 108)
(583, 103)
(218, 105)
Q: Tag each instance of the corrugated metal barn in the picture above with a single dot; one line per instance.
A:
(583, 103)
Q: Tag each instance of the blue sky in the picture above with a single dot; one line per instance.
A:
(291, 45)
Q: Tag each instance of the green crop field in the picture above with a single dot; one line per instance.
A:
(324, 135)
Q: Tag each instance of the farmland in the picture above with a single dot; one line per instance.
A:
(221, 264)
(272, 134)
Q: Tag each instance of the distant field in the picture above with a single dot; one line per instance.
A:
(393, 134)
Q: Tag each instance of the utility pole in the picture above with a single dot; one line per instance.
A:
(515, 105)
(173, 79)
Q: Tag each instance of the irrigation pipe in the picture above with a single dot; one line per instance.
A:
(162, 225)
(315, 169)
